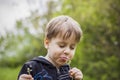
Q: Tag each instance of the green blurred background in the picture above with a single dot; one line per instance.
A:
(98, 53)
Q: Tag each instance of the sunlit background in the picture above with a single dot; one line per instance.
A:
(13, 10)
(22, 24)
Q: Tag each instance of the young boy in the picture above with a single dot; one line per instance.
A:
(61, 38)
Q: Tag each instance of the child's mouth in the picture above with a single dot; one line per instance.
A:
(64, 59)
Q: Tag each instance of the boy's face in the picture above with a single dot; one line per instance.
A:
(60, 51)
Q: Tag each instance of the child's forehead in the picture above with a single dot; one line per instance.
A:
(67, 34)
(69, 39)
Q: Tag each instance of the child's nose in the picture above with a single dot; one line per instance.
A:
(67, 51)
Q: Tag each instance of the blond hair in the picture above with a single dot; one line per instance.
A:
(64, 26)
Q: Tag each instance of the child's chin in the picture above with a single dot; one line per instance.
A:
(63, 63)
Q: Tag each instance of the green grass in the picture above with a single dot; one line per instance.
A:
(9, 73)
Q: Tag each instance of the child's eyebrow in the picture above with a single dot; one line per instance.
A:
(61, 42)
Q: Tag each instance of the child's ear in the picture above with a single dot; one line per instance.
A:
(46, 43)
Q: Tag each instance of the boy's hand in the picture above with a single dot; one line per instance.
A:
(25, 77)
(76, 74)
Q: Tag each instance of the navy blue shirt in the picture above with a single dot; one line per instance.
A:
(42, 69)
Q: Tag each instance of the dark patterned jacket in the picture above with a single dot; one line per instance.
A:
(42, 69)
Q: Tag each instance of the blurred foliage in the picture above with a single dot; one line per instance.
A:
(9, 73)
(24, 44)
(98, 53)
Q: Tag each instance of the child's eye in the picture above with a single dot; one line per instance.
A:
(61, 46)
(72, 47)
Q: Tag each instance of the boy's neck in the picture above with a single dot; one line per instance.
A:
(50, 60)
